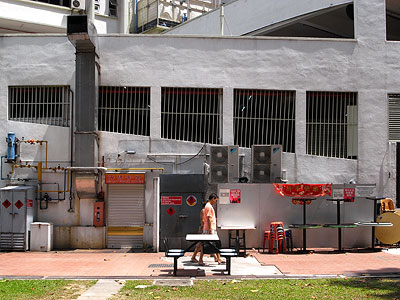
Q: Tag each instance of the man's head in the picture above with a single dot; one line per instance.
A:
(213, 198)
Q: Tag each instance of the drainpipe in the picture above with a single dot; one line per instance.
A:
(123, 18)
(221, 19)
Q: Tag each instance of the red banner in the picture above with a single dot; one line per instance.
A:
(303, 189)
(127, 178)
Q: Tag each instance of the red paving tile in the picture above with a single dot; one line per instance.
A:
(105, 264)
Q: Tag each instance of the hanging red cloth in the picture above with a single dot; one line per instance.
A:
(303, 189)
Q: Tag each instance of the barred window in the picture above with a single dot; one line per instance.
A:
(332, 127)
(264, 117)
(124, 109)
(39, 104)
(191, 114)
(394, 117)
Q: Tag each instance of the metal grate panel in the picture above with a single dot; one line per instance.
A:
(264, 117)
(394, 117)
(124, 109)
(39, 104)
(191, 114)
(12, 241)
(332, 124)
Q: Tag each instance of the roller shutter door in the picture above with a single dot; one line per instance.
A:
(125, 215)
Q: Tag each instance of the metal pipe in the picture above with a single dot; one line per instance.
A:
(66, 185)
(221, 19)
(135, 169)
(31, 142)
(2, 178)
(71, 126)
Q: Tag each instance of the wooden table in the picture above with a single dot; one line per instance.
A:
(238, 228)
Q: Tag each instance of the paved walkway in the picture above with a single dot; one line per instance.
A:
(113, 264)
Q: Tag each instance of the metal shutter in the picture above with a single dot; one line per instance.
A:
(394, 117)
(125, 211)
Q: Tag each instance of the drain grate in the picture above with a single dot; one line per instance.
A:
(161, 266)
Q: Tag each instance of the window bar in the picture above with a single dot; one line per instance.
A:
(213, 96)
(340, 121)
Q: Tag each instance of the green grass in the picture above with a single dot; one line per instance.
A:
(346, 289)
(42, 289)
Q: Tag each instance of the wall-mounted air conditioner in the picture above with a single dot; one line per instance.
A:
(224, 164)
(78, 4)
(266, 163)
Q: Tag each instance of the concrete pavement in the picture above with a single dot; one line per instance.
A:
(119, 265)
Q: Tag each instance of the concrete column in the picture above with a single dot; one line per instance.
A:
(155, 112)
(227, 116)
(301, 119)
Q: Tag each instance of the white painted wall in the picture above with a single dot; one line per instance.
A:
(36, 17)
(368, 65)
(244, 16)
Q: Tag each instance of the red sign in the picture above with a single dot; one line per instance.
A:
(191, 200)
(125, 178)
(19, 204)
(171, 200)
(170, 211)
(349, 194)
(29, 203)
(234, 196)
(6, 204)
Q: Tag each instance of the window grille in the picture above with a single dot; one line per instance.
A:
(264, 117)
(394, 117)
(332, 124)
(191, 114)
(124, 109)
(66, 3)
(39, 104)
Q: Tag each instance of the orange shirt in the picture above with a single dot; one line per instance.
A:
(209, 213)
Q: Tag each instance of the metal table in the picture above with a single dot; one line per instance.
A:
(200, 237)
(237, 237)
(304, 226)
(375, 199)
(338, 224)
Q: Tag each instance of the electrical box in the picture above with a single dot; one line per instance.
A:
(41, 236)
(98, 215)
(17, 212)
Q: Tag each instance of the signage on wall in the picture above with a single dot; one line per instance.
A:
(234, 196)
(170, 211)
(349, 194)
(129, 178)
(365, 191)
(191, 200)
(224, 196)
(171, 200)
(29, 203)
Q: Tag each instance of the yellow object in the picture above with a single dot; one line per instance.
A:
(387, 205)
(389, 235)
(125, 230)
(39, 171)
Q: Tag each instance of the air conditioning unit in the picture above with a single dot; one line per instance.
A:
(266, 163)
(219, 164)
(78, 4)
(224, 164)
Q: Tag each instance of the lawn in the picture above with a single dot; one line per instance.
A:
(42, 289)
(269, 289)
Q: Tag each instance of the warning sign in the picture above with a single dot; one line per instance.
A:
(130, 178)
(171, 200)
(19, 204)
(234, 196)
(170, 211)
(191, 200)
(29, 203)
(6, 204)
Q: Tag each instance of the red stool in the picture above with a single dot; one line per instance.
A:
(267, 234)
(277, 233)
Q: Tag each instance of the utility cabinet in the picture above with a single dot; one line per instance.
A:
(17, 212)
(181, 199)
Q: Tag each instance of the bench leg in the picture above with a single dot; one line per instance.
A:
(175, 265)
(228, 265)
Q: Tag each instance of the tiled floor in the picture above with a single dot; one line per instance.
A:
(102, 263)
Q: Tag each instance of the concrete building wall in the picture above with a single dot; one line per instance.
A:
(242, 17)
(367, 65)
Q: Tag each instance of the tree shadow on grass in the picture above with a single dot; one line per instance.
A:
(381, 288)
